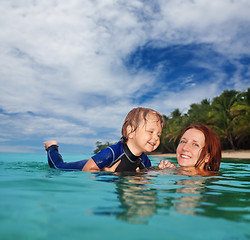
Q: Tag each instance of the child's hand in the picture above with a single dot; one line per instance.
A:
(166, 164)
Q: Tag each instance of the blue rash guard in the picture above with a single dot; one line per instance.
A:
(105, 158)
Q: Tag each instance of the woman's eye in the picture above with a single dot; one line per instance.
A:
(196, 145)
(182, 141)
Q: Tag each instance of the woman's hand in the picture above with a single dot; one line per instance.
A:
(113, 168)
(166, 164)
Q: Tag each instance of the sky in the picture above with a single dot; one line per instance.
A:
(71, 70)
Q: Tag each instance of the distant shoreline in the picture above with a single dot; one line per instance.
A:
(225, 154)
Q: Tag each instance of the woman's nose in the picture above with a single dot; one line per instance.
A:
(186, 147)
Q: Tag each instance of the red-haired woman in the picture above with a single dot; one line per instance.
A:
(199, 148)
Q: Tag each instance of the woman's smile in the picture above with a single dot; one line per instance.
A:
(190, 147)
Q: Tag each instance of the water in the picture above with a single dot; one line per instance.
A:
(42, 203)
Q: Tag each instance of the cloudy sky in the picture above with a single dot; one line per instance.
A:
(72, 70)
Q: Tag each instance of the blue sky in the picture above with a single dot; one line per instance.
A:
(72, 70)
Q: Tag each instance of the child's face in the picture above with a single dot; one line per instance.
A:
(146, 138)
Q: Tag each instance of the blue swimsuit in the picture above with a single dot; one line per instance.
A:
(105, 158)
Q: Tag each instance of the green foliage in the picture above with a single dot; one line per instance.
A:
(100, 146)
(228, 114)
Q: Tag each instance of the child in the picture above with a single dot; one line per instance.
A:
(141, 133)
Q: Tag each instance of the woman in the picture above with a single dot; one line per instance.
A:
(199, 148)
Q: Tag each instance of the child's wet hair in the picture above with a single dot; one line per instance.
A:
(134, 118)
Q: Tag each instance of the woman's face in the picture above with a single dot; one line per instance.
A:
(190, 147)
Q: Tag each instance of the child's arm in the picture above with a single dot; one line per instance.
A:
(91, 166)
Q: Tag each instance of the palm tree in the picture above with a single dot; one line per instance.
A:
(222, 116)
(241, 119)
(171, 131)
(228, 115)
(199, 112)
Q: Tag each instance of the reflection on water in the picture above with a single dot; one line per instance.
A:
(137, 199)
(190, 195)
(41, 203)
(161, 192)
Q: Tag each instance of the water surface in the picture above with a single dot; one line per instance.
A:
(42, 203)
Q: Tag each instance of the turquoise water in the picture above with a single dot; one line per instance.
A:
(42, 203)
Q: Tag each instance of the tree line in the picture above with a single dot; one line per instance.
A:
(228, 115)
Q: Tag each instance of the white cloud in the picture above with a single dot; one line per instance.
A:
(168, 101)
(221, 23)
(63, 60)
(19, 149)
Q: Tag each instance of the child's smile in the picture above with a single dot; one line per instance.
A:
(146, 138)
